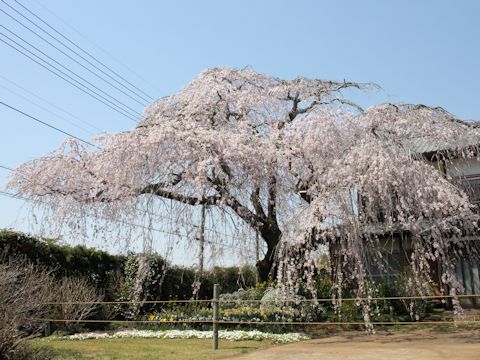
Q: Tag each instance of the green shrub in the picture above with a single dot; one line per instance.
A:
(98, 267)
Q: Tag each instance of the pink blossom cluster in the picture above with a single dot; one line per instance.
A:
(293, 160)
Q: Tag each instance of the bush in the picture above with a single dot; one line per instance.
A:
(24, 290)
(76, 299)
(241, 297)
(163, 282)
(405, 309)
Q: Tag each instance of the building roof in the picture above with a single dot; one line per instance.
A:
(424, 145)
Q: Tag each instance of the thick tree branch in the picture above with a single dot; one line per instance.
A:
(158, 189)
(241, 210)
(257, 205)
(272, 200)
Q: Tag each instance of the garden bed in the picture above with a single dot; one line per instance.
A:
(233, 335)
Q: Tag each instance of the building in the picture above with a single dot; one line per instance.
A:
(397, 247)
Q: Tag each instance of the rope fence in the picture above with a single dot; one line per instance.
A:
(216, 321)
(129, 302)
(220, 301)
(284, 323)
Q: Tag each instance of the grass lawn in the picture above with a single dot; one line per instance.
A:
(137, 348)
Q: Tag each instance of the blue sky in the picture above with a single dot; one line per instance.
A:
(417, 51)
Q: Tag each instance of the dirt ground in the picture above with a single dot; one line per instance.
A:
(414, 345)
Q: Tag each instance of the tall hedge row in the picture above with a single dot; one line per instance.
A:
(95, 265)
(106, 271)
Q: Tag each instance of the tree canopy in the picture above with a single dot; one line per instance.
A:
(294, 160)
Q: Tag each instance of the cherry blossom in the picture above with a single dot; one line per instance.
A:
(293, 160)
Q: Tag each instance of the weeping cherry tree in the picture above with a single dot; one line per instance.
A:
(293, 160)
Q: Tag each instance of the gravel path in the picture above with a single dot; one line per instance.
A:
(385, 346)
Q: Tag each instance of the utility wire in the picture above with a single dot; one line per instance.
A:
(6, 168)
(87, 91)
(45, 123)
(45, 109)
(130, 110)
(50, 103)
(149, 99)
(119, 62)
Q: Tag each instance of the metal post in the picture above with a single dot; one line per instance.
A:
(215, 317)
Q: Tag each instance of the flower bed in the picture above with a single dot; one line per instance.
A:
(235, 335)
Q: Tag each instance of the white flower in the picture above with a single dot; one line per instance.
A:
(231, 335)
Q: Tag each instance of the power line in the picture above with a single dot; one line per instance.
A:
(50, 103)
(129, 69)
(87, 91)
(127, 108)
(79, 55)
(63, 52)
(45, 123)
(45, 109)
(6, 168)
(149, 98)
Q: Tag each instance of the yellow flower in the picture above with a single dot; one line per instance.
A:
(164, 320)
(151, 317)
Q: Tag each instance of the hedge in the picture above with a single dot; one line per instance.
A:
(102, 268)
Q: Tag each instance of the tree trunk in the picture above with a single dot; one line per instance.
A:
(267, 266)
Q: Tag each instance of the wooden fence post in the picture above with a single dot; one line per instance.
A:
(215, 317)
(48, 329)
